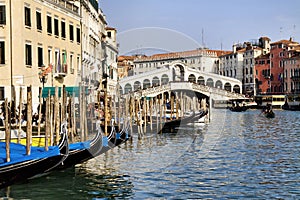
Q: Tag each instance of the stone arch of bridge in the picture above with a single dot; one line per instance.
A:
(178, 71)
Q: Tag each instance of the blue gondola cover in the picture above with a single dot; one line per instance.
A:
(105, 141)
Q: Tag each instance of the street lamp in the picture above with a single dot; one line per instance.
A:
(43, 76)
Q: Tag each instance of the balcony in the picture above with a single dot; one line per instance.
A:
(61, 73)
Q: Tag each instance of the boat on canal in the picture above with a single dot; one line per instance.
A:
(21, 166)
(269, 114)
(238, 105)
(80, 152)
(268, 111)
(166, 124)
(292, 103)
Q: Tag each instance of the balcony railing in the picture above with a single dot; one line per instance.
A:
(65, 4)
(61, 73)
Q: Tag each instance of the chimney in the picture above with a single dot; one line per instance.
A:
(234, 48)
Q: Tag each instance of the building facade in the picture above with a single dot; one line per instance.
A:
(93, 46)
(240, 64)
(204, 60)
(231, 64)
(40, 45)
(278, 53)
(262, 74)
(48, 43)
(292, 72)
(111, 57)
(125, 64)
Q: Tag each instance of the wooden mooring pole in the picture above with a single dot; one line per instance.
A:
(20, 114)
(29, 121)
(56, 116)
(40, 110)
(7, 131)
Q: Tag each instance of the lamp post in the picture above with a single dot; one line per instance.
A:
(43, 76)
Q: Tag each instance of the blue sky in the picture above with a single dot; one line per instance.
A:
(175, 25)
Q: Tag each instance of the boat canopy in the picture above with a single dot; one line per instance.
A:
(18, 153)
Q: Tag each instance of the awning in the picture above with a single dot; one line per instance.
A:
(71, 91)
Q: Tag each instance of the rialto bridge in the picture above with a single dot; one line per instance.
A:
(179, 76)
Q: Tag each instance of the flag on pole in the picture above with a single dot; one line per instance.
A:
(65, 66)
(58, 66)
(47, 70)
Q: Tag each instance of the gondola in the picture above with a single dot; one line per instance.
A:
(286, 106)
(166, 125)
(80, 152)
(238, 108)
(22, 167)
(269, 114)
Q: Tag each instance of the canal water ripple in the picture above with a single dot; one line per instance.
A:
(235, 156)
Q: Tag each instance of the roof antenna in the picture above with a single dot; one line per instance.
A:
(203, 44)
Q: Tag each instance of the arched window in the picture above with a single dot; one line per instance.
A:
(201, 80)
(227, 87)
(146, 84)
(236, 89)
(164, 79)
(192, 78)
(219, 84)
(128, 88)
(210, 82)
(137, 86)
(155, 81)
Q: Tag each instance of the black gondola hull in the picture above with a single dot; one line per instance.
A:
(21, 171)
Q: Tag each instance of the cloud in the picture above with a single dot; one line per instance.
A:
(162, 39)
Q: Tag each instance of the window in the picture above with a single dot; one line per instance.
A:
(38, 20)
(78, 35)
(71, 32)
(2, 52)
(63, 29)
(40, 56)
(49, 24)
(28, 55)
(2, 15)
(27, 17)
(109, 34)
(2, 93)
(56, 32)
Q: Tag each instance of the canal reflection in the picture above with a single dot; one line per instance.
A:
(236, 156)
(75, 183)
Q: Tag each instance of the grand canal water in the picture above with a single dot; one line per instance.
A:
(236, 156)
